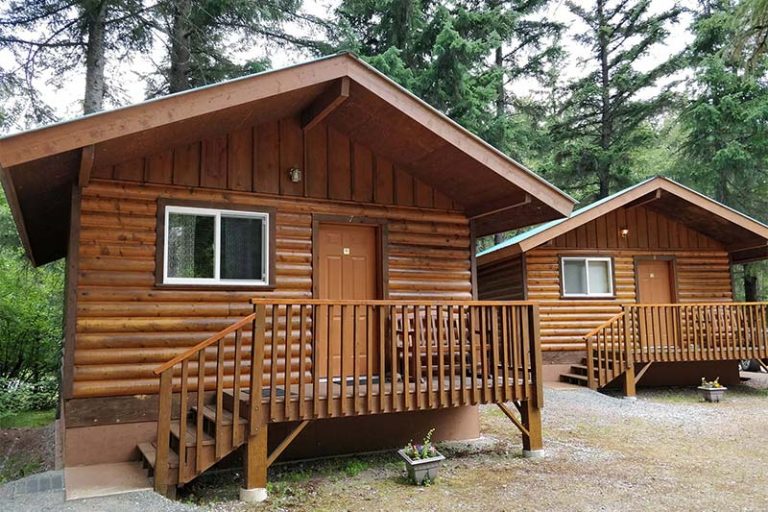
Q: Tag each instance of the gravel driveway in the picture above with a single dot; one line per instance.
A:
(665, 451)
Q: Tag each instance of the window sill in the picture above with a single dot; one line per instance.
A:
(587, 297)
(215, 287)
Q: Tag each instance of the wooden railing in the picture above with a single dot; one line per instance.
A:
(313, 359)
(649, 333)
(368, 357)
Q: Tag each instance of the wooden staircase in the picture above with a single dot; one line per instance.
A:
(608, 357)
(197, 431)
(578, 374)
(202, 447)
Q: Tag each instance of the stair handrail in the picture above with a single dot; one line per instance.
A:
(205, 344)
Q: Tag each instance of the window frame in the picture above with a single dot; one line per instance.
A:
(165, 207)
(588, 295)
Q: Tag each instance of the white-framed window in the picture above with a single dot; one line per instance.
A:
(586, 276)
(209, 246)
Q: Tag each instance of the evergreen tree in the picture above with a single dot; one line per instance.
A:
(607, 112)
(203, 36)
(724, 151)
(459, 56)
(53, 37)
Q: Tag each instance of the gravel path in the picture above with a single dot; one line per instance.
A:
(666, 451)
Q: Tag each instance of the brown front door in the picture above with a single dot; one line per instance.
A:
(655, 286)
(654, 282)
(347, 270)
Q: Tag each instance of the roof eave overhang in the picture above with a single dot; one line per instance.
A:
(35, 146)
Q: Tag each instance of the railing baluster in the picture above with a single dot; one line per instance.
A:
(416, 356)
(273, 362)
(428, 332)
(474, 353)
(452, 356)
(317, 326)
(464, 340)
(236, 433)
(441, 342)
(219, 446)
(183, 411)
(356, 358)
(288, 364)
(528, 357)
(381, 318)
(200, 405)
(394, 393)
(494, 363)
(407, 341)
(371, 355)
(331, 326)
(518, 346)
(302, 360)
(506, 336)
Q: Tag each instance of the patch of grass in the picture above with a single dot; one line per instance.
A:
(18, 466)
(354, 467)
(28, 419)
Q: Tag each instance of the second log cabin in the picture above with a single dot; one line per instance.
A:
(637, 285)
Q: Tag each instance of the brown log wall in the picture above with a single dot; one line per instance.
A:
(126, 325)
(502, 280)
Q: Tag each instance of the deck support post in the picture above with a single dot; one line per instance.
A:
(530, 415)
(630, 391)
(254, 488)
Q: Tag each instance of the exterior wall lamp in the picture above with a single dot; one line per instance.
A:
(624, 232)
(295, 174)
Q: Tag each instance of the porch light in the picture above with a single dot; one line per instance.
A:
(294, 173)
(624, 232)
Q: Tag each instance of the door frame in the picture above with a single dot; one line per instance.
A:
(382, 244)
(673, 274)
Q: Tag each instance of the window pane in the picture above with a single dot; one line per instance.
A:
(190, 245)
(599, 277)
(574, 278)
(242, 248)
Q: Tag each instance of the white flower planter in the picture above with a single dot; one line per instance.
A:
(712, 394)
(420, 470)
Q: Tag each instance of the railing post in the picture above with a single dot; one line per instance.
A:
(254, 489)
(165, 398)
(530, 412)
(590, 364)
(258, 338)
(629, 357)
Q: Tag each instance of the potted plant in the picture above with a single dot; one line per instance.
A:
(712, 391)
(421, 460)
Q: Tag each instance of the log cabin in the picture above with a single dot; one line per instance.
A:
(303, 236)
(636, 285)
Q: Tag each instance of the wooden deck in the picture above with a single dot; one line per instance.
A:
(651, 333)
(312, 360)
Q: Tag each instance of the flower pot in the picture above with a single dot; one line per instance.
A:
(420, 470)
(712, 394)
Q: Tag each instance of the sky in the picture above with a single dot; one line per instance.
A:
(66, 99)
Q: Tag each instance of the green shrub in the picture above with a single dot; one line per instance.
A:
(16, 396)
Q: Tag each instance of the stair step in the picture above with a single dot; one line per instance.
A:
(573, 376)
(209, 413)
(149, 453)
(191, 435)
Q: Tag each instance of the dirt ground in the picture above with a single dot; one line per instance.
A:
(667, 450)
(24, 451)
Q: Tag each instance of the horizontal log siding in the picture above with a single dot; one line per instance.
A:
(701, 264)
(502, 280)
(126, 326)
